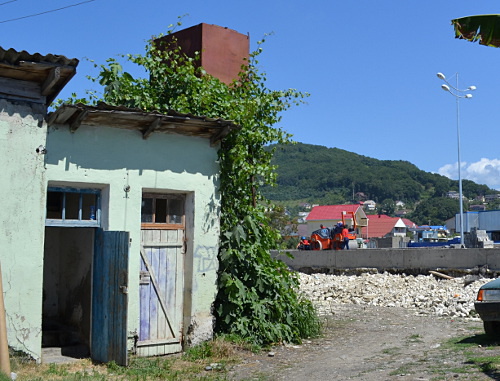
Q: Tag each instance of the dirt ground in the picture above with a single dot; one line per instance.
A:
(375, 343)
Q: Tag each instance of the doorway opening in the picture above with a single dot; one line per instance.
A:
(67, 290)
(72, 217)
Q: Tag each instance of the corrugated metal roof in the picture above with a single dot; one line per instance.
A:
(13, 57)
(47, 75)
(331, 212)
(380, 225)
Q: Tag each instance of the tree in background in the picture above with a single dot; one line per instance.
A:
(388, 206)
(258, 296)
(435, 211)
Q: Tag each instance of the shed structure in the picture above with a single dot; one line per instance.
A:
(110, 218)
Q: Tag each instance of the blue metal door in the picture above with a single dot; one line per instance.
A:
(110, 297)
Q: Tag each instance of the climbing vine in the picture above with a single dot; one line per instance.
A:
(258, 296)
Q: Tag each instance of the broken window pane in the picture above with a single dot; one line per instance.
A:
(72, 206)
(161, 211)
(54, 205)
(89, 209)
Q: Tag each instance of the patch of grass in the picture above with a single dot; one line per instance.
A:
(415, 338)
(391, 351)
(473, 349)
(57, 370)
(404, 369)
(217, 354)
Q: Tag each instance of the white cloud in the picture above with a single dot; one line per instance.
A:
(484, 171)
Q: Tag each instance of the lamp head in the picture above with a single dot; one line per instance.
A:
(445, 87)
(472, 88)
(468, 95)
(441, 76)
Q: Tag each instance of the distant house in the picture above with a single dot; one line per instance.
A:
(369, 205)
(492, 197)
(453, 194)
(400, 204)
(400, 213)
(479, 199)
(329, 215)
(381, 226)
(305, 205)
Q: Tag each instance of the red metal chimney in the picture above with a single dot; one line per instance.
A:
(222, 50)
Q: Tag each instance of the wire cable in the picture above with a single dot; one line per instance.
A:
(42, 13)
(7, 2)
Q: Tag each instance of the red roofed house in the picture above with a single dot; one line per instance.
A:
(380, 226)
(329, 215)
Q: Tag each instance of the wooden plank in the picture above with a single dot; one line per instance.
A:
(22, 90)
(51, 80)
(162, 244)
(153, 281)
(158, 350)
(219, 135)
(162, 283)
(109, 303)
(144, 294)
(151, 128)
(171, 275)
(154, 301)
(157, 342)
(78, 121)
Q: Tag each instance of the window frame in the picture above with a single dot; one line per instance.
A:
(161, 225)
(70, 222)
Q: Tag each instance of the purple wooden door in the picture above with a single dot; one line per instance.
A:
(160, 288)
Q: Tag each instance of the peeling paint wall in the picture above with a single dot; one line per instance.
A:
(112, 160)
(22, 216)
(115, 160)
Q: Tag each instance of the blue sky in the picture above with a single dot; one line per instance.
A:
(370, 67)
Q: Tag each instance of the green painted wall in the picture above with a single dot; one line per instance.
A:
(22, 220)
(112, 159)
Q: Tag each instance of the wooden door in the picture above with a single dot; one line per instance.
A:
(160, 290)
(110, 297)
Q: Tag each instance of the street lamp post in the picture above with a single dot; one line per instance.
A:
(457, 93)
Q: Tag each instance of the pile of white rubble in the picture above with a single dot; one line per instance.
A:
(425, 294)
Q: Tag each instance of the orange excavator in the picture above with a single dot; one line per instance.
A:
(352, 233)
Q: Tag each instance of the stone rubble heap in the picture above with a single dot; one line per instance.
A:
(425, 294)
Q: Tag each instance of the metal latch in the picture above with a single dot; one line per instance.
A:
(144, 277)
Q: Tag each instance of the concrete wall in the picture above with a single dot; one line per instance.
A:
(404, 259)
(111, 159)
(22, 221)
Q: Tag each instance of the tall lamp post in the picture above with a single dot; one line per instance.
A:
(457, 93)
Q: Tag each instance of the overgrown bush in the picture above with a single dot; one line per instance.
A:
(257, 296)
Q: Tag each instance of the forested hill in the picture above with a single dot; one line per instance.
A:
(324, 175)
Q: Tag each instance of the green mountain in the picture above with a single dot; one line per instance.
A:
(317, 174)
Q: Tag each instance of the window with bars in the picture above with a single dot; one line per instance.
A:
(73, 207)
(162, 211)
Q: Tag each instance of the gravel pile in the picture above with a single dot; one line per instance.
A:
(426, 294)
